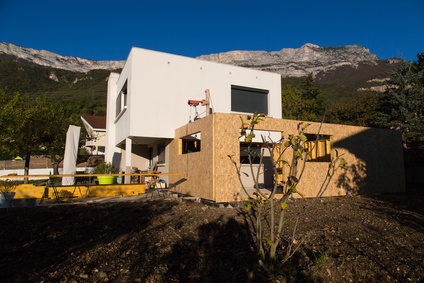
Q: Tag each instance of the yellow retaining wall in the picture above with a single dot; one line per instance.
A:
(31, 191)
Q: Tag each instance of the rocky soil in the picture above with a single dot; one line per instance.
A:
(347, 239)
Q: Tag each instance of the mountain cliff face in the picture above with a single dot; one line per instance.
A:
(289, 62)
(47, 58)
(298, 62)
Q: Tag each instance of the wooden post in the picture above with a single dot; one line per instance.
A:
(206, 102)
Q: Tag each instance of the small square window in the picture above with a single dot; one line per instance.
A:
(190, 143)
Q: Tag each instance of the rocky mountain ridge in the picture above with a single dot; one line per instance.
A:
(298, 62)
(54, 60)
(289, 62)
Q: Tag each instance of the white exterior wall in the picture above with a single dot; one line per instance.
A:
(160, 84)
(111, 149)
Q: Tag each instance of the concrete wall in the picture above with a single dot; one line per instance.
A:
(374, 157)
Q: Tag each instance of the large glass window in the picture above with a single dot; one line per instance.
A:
(249, 100)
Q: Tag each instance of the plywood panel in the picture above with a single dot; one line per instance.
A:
(196, 168)
(374, 157)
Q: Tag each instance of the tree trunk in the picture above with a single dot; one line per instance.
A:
(26, 170)
(55, 168)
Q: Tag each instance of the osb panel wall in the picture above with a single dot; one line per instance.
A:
(227, 184)
(374, 157)
(196, 168)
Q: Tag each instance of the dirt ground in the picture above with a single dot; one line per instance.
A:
(348, 239)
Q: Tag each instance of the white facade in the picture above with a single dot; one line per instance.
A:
(154, 88)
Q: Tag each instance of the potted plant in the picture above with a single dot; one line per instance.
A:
(7, 188)
(106, 168)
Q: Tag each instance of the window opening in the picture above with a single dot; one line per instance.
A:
(320, 149)
(121, 99)
(118, 104)
(161, 153)
(190, 143)
(255, 152)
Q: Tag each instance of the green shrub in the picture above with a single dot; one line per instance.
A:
(7, 186)
(106, 168)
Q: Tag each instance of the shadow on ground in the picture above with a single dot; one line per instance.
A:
(159, 241)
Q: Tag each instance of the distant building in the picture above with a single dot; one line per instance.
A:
(96, 134)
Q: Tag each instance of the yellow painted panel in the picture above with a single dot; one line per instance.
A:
(31, 191)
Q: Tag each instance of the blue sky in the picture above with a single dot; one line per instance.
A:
(106, 30)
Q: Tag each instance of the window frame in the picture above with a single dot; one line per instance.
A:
(320, 149)
(121, 101)
(190, 143)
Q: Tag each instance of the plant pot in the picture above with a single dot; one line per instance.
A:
(6, 199)
(106, 180)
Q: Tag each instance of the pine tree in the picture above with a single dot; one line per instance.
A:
(418, 67)
(401, 106)
(306, 103)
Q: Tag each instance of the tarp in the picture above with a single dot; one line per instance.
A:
(71, 152)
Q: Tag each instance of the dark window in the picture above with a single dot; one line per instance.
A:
(190, 143)
(161, 153)
(249, 100)
(255, 153)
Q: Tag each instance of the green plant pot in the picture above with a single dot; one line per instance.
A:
(105, 180)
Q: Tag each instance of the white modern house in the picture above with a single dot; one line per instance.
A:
(149, 100)
(152, 124)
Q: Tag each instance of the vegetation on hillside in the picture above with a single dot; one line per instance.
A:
(85, 92)
(399, 107)
(344, 94)
(305, 102)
